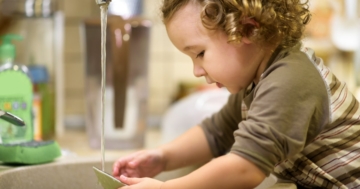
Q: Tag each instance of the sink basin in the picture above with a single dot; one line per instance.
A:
(68, 174)
(76, 173)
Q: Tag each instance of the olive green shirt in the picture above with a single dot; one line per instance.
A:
(285, 111)
(299, 122)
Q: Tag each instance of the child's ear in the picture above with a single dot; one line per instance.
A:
(249, 27)
(250, 21)
(246, 40)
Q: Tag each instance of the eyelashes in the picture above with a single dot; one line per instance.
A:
(200, 55)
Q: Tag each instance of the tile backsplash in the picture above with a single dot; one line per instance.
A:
(167, 66)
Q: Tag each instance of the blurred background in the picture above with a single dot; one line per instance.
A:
(58, 35)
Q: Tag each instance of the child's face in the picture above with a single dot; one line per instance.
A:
(233, 66)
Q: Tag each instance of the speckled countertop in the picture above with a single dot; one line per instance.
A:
(75, 143)
(75, 147)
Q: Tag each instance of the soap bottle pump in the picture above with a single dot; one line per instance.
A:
(8, 53)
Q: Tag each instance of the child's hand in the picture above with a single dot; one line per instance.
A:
(140, 183)
(146, 163)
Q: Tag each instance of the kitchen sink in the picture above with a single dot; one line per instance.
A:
(74, 173)
(77, 173)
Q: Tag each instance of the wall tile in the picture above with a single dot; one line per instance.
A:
(157, 39)
(78, 8)
(74, 106)
(157, 106)
(156, 75)
(72, 39)
(74, 75)
(183, 71)
(167, 66)
(151, 10)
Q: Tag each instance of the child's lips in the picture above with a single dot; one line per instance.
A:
(219, 85)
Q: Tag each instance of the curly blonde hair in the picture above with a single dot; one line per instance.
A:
(281, 22)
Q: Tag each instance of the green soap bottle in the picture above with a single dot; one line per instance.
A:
(16, 94)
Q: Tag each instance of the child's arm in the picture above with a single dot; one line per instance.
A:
(188, 149)
(229, 171)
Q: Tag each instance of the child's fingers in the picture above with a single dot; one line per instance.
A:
(132, 161)
(137, 161)
(115, 171)
(116, 168)
(118, 165)
(130, 181)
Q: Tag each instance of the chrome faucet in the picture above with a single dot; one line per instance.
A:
(13, 119)
(102, 2)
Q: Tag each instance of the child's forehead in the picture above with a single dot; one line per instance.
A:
(189, 13)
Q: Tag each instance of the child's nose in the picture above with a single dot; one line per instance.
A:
(199, 71)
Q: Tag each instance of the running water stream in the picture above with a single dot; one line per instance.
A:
(104, 9)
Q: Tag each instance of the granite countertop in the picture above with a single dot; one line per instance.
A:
(75, 147)
(74, 142)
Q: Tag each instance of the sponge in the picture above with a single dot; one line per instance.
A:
(32, 152)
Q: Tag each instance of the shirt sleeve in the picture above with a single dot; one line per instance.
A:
(288, 110)
(219, 128)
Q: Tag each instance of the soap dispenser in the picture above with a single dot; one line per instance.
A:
(17, 144)
(15, 93)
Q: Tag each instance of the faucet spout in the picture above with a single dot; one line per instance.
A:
(102, 2)
(13, 119)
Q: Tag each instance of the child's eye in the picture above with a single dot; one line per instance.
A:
(201, 54)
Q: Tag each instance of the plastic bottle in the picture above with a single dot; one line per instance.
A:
(15, 93)
(44, 120)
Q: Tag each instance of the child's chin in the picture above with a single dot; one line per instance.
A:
(232, 91)
(219, 85)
